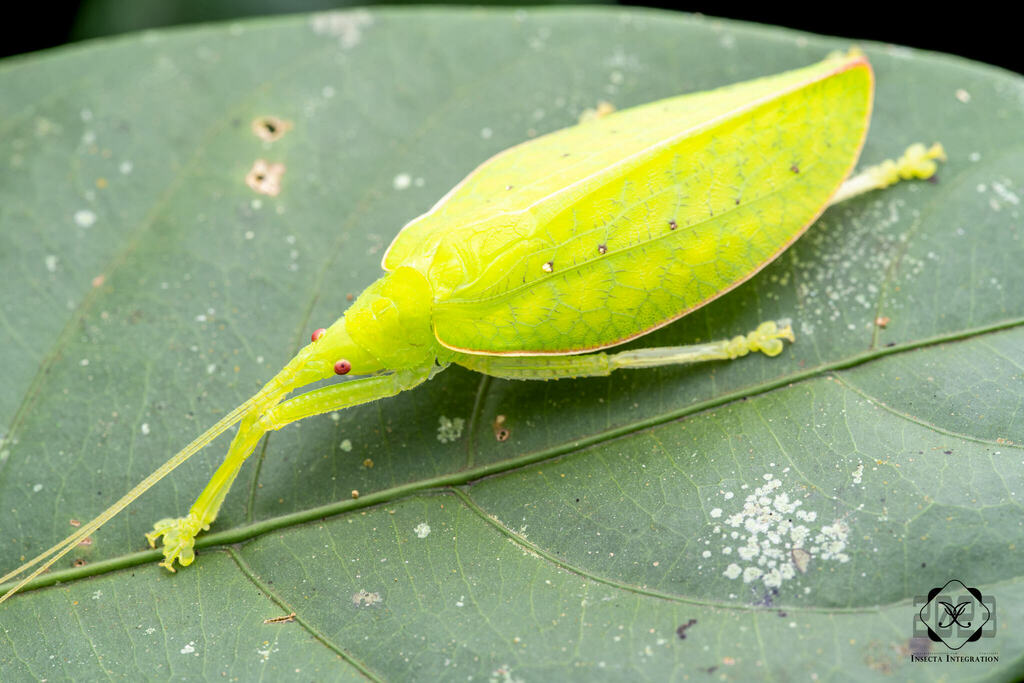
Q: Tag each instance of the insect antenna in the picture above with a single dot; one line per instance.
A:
(61, 549)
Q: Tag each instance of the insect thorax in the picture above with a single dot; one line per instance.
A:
(391, 319)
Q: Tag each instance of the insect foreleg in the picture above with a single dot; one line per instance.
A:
(179, 534)
(917, 162)
(767, 339)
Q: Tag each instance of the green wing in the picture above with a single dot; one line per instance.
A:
(598, 233)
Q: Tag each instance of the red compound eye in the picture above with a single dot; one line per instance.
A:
(318, 333)
(342, 367)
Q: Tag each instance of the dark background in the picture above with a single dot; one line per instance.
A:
(972, 31)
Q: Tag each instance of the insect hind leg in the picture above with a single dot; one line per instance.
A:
(917, 161)
(767, 339)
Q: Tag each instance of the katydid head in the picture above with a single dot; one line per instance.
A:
(332, 351)
(387, 328)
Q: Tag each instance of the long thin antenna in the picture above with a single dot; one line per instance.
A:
(61, 549)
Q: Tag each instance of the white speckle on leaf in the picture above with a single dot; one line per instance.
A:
(84, 362)
(503, 674)
(37, 488)
(347, 27)
(422, 530)
(963, 95)
(346, 445)
(364, 598)
(126, 167)
(1004, 192)
(858, 474)
(96, 595)
(449, 429)
(51, 263)
(266, 652)
(211, 368)
(144, 429)
(189, 648)
(402, 181)
(486, 133)
(84, 218)
(774, 543)
(716, 512)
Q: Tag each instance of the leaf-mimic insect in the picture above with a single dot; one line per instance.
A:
(561, 247)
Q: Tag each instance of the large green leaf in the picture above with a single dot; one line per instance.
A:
(147, 290)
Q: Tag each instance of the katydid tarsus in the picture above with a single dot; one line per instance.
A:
(569, 244)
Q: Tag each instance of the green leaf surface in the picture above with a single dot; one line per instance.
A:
(148, 290)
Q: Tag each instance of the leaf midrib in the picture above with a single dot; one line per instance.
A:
(468, 476)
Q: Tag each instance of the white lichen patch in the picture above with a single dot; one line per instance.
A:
(775, 537)
(347, 27)
(364, 598)
(449, 429)
(422, 530)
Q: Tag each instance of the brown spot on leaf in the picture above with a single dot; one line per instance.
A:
(265, 177)
(501, 432)
(270, 128)
(681, 631)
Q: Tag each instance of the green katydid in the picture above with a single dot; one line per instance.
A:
(566, 245)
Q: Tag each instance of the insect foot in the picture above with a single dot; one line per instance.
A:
(767, 339)
(179, 537)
